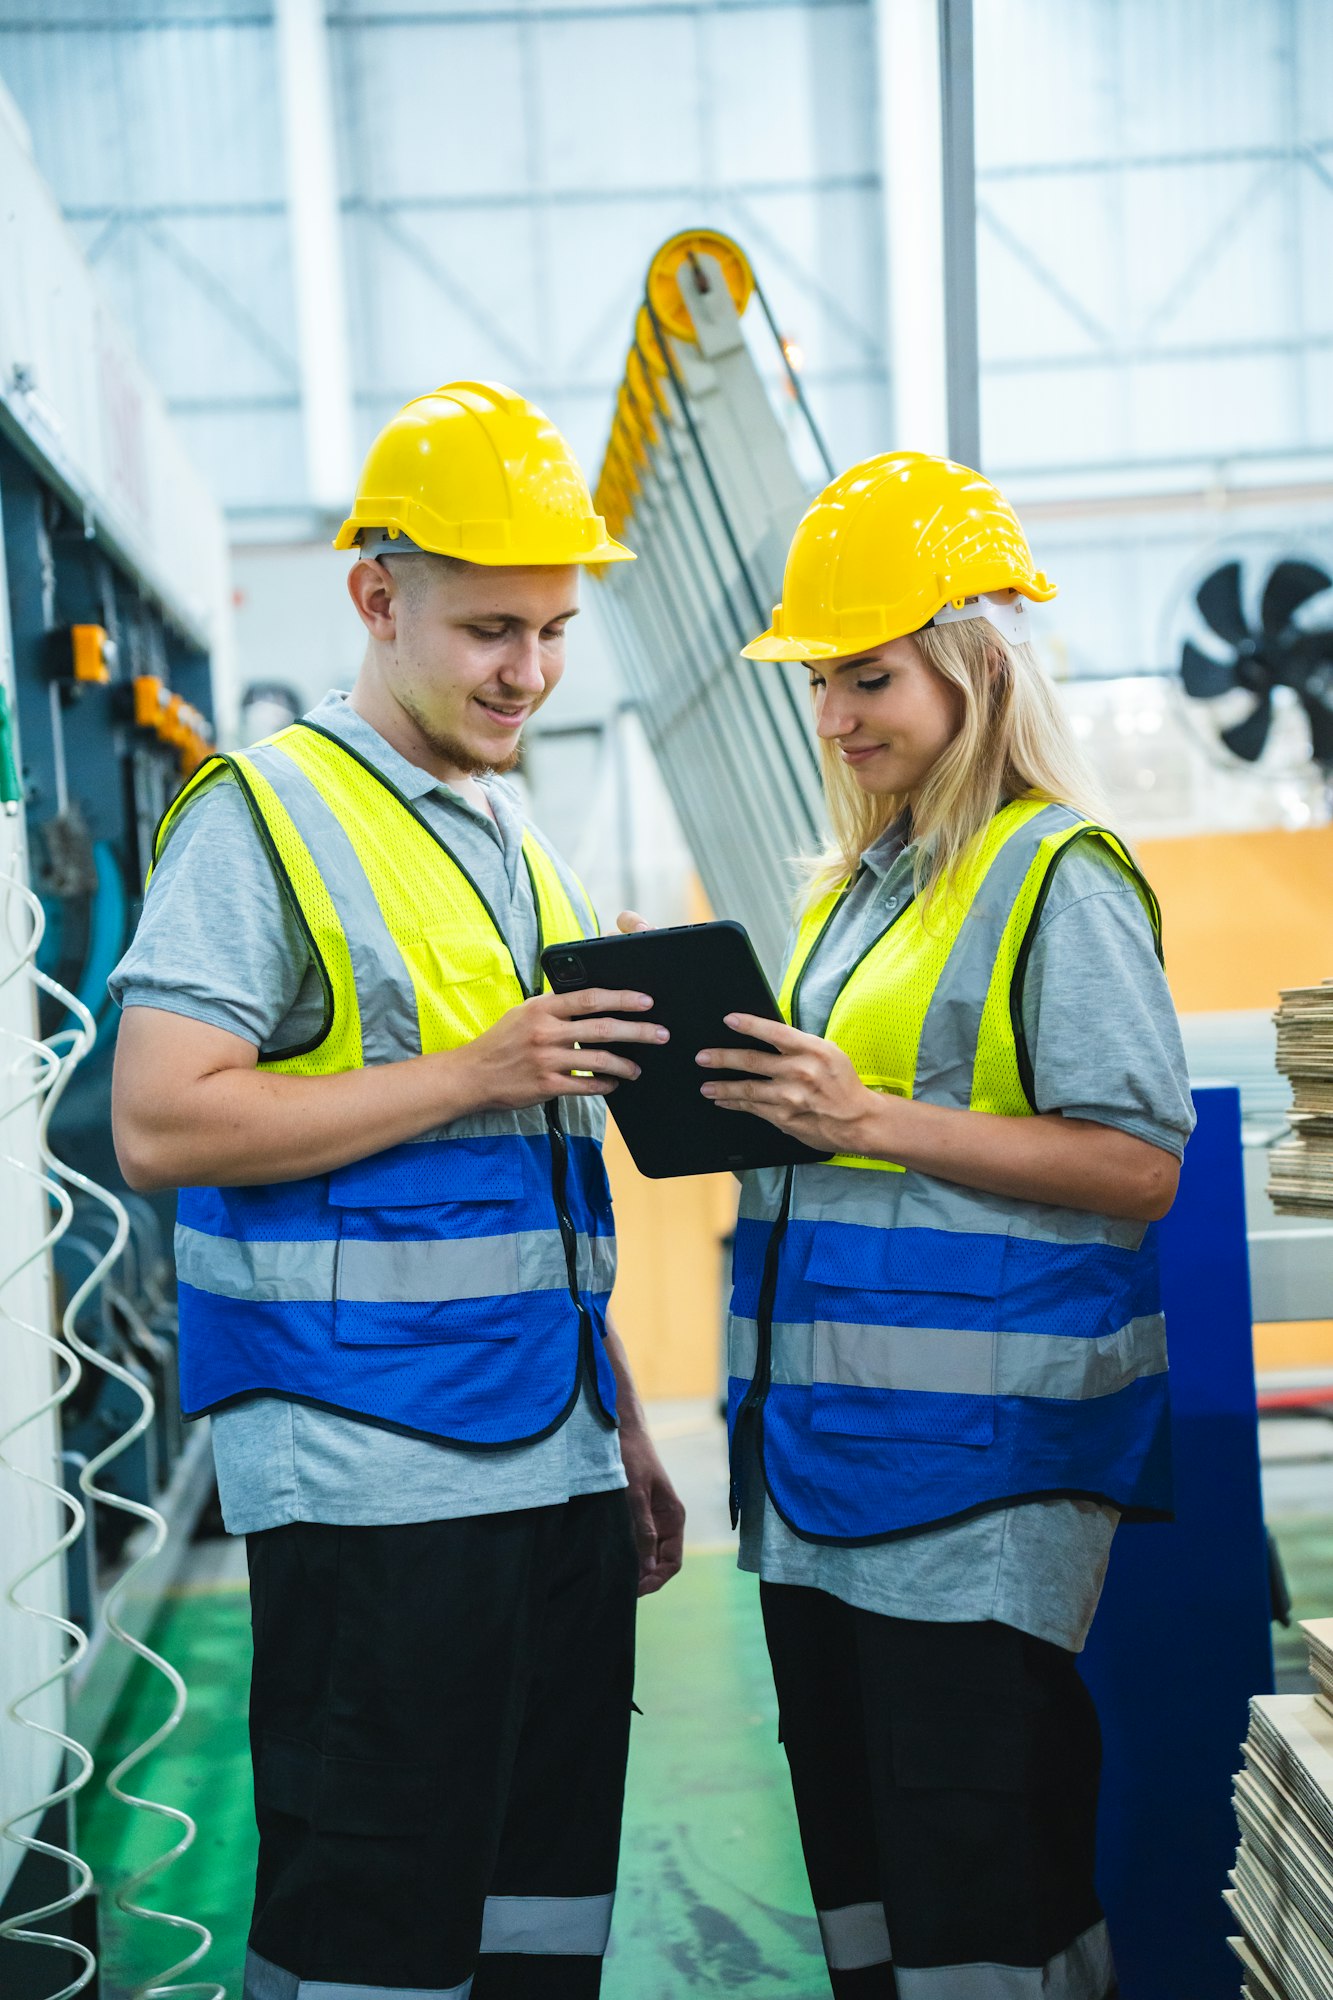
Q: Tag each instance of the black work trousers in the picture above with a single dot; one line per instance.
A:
(439, 1724)
(945, 1779)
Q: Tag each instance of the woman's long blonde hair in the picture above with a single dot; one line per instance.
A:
(1014, 741)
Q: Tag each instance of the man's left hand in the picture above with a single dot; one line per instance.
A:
(655, 1509)
(806, 1087)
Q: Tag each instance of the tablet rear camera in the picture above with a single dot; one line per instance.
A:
(568, 968)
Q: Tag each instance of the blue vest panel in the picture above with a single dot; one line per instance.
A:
(426, 1287)
(901, 1376)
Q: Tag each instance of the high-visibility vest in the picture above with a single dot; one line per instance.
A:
(456, 1285)
(905, 1350)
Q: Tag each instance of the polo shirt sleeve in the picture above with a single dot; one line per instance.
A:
(1098, 1018)
(218, 940)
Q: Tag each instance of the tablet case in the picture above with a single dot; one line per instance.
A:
(696, 975)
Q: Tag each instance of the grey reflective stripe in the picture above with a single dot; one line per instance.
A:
(954, 1361)
(917, 1201)
(264, 1981)
(854, 1936)
(947, 1052)
(581, 1118)
(268, 1272)
(530, 1123)
(427, 1272)
(469, 1267)
(597, 1263)
(548, 1926)
(439, 1269)
(579, 902)
(957, 1361)
(1084, 1972)
(385, 994)
(761, 1192)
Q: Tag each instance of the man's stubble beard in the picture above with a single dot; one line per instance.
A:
(451, 751)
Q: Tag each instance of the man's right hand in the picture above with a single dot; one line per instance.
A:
(537, 1050)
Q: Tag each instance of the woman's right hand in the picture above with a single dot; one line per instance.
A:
(630, 921)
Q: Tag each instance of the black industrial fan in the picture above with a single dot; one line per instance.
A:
(1280, 653)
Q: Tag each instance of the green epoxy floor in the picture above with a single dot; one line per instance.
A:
(712, 1899)
(712, 1896)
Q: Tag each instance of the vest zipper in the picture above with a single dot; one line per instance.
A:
(587, 1365)
(751, 1410)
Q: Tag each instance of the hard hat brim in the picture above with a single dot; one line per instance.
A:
(607, 550)
(771, 645)
(774, 645)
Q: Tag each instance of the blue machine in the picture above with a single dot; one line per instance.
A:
(1182, 1638)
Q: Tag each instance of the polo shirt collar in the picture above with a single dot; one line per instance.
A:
(885, 853)
(337, 715)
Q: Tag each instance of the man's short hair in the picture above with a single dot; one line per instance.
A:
(413, 568)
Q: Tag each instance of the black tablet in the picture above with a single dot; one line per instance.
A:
(696, 975)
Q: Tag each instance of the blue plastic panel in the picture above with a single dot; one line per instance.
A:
(1182, 1638)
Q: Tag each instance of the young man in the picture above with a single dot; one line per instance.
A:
(394, 1252)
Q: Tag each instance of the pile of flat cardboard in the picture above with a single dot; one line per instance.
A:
(1282, 1889)
(1301, 1167)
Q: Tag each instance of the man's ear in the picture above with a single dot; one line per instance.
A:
(373, 591)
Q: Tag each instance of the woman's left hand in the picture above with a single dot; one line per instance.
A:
(807, 1087)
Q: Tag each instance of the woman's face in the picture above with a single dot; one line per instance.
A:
(890, 715)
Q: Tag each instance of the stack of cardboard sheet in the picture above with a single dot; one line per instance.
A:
(1301, 1167)
(1282, 1887)
(1319, 1638)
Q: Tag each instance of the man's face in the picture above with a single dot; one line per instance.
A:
(477, 651)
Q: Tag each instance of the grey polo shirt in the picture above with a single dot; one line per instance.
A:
(1105, 1045)
(217, 941)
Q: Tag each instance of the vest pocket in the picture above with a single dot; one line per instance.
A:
(904, 1341)
(415, 1268)
(919, 1385)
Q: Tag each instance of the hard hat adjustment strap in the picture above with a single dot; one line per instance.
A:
(1010, 614)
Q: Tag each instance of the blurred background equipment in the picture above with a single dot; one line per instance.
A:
(114, 628)
(1278, 651)
(700, 478)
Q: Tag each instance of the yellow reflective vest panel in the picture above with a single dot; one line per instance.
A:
(456, 1285)
(905, 1350)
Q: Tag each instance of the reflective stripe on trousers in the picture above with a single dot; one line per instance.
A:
(264, 1981)
(856, 1937)
(568, 1926)
(1084, 1971)
(534, 1926)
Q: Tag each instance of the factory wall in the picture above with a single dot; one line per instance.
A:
(1156, 313)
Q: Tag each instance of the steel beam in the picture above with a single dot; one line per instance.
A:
(958, 174)
(928, 175)
(907, 53)
(317, 273)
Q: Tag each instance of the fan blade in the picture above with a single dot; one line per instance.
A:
(1218, 598)
(1203, 677)
(1248, 738)
(1291, 585)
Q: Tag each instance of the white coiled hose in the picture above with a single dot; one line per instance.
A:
(54, 1065)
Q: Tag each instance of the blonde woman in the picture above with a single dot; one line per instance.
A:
(947, 1353)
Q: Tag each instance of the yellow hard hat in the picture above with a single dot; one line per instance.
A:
(475, 471)
(888, 547)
